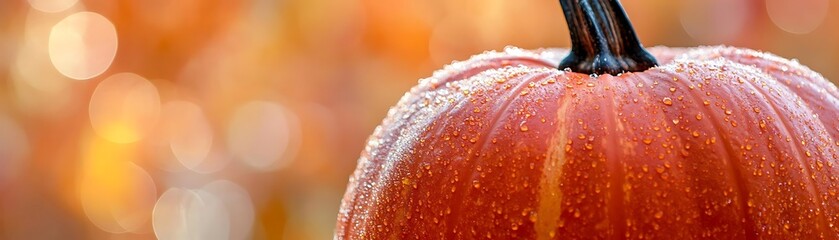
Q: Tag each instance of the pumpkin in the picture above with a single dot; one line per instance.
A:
(613, 141)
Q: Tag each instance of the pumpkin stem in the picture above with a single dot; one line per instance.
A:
(602, 39)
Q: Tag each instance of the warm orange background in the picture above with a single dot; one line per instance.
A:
(244, 119)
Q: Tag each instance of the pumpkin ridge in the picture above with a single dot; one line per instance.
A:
(727, 52)
(813, 77)
(650, 98)
(510, 96)
(735, 170)
(445, 113)
(785, 127)
(555, 158)
(684, 86)
(814, 85)
(615, 203)
(357, 175)
(405, 106)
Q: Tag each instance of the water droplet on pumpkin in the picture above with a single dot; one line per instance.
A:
(728, 112)
(476, 184)
(706, 102)
(523, 128)
(672, 89)
(658, 214)
(667, 101)
(648, 141)
(699, 116)
(757, 110)
(533, 217)
(660, 169)
(695, 133)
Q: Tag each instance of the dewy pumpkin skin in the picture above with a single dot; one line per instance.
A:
(606, 140)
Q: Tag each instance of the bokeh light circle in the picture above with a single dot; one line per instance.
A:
(116, 194)
(83, 45)
(52, 6)
(124, 107)
(238, 204)
(260, 135)
(798, 16)
(190, 134)
(190, 214)
(714, 21)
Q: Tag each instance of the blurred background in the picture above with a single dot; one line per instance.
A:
(196, 119)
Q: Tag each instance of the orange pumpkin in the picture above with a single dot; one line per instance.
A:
(710, 142)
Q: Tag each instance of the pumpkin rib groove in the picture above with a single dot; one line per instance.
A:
(689, 172)
(651, 98)
(615, 207)
(786, 129)
(446, 113)
(510, 96)
(735, 171)
(732, 177)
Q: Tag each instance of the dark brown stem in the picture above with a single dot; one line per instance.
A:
(602, 39)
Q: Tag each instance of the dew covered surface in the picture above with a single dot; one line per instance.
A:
(716, 142)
